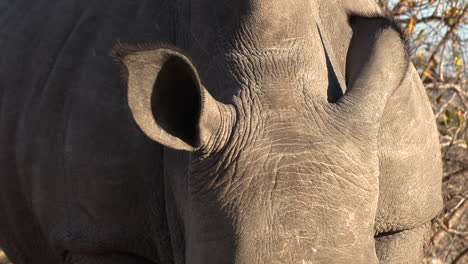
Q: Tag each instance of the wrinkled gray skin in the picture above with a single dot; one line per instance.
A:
(252, 153)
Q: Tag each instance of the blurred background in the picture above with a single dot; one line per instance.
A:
(439, 30)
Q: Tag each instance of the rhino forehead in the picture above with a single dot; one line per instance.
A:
(256, 24)
(259, 47)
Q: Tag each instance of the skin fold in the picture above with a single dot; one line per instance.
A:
(246, 131)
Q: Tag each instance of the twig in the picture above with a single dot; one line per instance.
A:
(436, 85)
(452, 231)
(454, 174)
(445, 106)
(451, 30)
(457, 206)
(423, 19)
(460, 256)
(453, 214)
(437, 8)
(457, 132)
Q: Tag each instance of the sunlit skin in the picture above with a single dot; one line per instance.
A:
(243, 132)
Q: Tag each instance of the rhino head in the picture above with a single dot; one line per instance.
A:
(263, 163)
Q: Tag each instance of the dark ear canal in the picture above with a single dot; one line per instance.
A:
(176, 101)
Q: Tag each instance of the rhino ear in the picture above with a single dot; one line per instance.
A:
(167, 99)
(377, 62)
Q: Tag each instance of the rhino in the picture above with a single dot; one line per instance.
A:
(233, 131)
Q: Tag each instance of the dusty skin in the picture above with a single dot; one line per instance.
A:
(247, 131)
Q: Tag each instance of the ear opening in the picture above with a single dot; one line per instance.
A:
(176, 101)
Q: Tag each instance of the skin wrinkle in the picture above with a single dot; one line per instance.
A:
(287, 176)
(255, 77)
(267, 57)
(216, 159)
(222, 133)
(330, 161)
(257, 175)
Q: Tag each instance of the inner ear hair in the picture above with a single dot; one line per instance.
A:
(378, 23)
(386, 20)
(121, 49)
